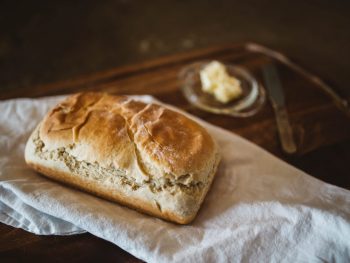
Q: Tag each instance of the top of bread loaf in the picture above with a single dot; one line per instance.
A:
(115, 131)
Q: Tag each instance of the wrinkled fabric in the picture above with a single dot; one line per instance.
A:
(259, 208)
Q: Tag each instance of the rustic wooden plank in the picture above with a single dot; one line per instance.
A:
(316, 121)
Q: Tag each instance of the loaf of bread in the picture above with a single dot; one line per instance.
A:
(143, 156)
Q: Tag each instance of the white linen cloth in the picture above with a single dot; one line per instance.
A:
(259, 208)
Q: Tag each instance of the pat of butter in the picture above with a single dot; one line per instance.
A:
(216, 81)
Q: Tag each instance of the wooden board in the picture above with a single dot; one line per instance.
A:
(315, 119)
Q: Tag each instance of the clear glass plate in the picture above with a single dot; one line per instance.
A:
(248, 104)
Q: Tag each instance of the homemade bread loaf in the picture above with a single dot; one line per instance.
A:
(140, 155)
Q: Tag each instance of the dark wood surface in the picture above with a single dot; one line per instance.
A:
(321, 130)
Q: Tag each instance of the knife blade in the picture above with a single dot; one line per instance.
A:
(277, 98)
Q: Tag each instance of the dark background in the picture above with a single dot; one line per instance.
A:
(47, 41)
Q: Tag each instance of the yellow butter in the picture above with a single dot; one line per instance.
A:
(216, 81)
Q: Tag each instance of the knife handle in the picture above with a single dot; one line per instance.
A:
(285, 130)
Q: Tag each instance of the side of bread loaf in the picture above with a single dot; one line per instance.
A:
(140, 155)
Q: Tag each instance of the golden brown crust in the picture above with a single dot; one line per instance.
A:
(168, 160)
(171, 140)
(105, 124)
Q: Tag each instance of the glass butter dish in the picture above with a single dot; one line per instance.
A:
(248, 104)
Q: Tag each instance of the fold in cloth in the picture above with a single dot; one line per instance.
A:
(258, 209)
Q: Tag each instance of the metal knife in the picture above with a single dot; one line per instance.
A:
(276, 95)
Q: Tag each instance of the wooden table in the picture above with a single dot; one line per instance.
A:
(321, 130)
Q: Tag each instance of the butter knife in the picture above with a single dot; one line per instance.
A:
(276, 95)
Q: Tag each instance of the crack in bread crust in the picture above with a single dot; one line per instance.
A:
(112, 174)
